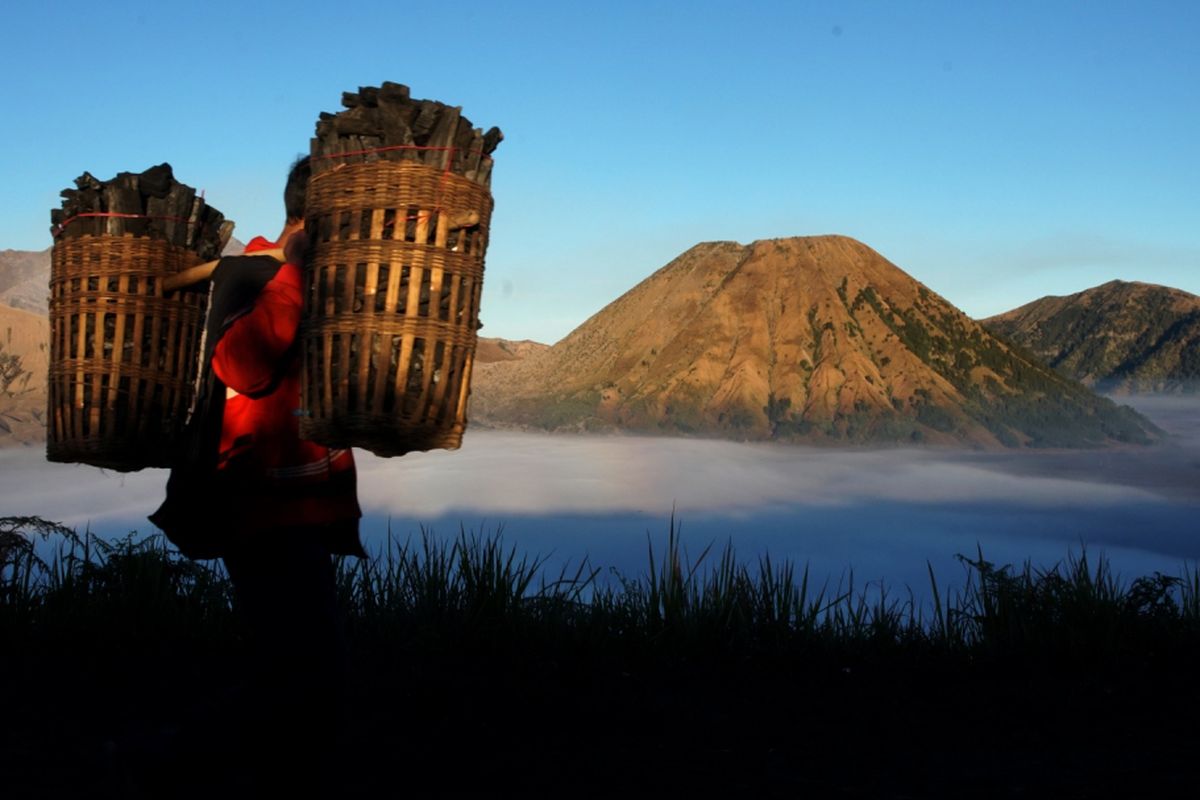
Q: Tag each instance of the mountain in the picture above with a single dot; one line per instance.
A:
(1118, 337)
(24, 364)
(24, 279)
(24, 343)
(491, 351)
(814, 339)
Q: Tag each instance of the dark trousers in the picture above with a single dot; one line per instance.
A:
(284, 585)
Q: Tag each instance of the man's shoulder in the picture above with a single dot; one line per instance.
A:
(258, 243)
(289, 275)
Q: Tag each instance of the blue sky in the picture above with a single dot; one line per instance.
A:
(996, 151)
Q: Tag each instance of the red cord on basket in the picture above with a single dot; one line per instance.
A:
(391, 148)
(62, 225)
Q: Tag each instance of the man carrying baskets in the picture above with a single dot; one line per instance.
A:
(249, 490)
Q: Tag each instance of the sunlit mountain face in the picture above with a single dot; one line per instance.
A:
(812, 339)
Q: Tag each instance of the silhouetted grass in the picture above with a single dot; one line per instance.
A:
(57, 582)
(698, 673)
(474, 590)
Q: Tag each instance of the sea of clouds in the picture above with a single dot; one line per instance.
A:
(881, 514)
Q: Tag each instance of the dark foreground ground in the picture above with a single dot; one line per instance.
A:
(423, 725)
(123, 673)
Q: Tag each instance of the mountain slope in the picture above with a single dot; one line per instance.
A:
(1118, 337)
(815, 339)
(490, 350)
(24, 279)
(24, 364)
(24, 343)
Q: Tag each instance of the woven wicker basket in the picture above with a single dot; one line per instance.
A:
(123, 357)
(392, 306)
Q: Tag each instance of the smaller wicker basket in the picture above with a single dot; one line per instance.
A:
(392, 306)
(123, 357)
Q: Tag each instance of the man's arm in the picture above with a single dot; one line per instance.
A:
(202, 272)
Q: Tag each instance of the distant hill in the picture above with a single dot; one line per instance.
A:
(24, 363)
(1118, 337)
(814, 339)
(491, 351)
(24, 343)
(25, 279)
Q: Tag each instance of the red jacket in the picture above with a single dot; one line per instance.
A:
(296, 482)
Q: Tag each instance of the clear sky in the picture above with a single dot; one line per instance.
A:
(996, 151)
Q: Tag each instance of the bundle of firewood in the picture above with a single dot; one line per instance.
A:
(151, 203)
(385, 123)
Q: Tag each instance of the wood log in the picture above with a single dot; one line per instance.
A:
(376, 118)
(371, 145)
(156, 181)
(426, 119)
(208, 233)
(491, 140)
(462, 145)
(393, 119)
(158, 209)
(89, 201)
(121, 197)
(393, 92)
(368, 96)
(225, 233)
(179, 206)
(441, 138)
(89, 181)
(192, 218)
(484, 175)
(359, 121)
(474, 153)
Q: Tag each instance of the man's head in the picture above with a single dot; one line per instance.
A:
(297, 189)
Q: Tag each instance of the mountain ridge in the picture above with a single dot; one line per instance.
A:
(24, 343)
(792, 376)
(1122, 337)
(816, 339)
(24, 278)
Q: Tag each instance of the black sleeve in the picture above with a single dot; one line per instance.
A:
(236, 282)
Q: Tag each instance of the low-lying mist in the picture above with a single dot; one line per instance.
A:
(882, 513)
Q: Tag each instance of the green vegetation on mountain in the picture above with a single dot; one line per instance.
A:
(815, 339)
(1119, 337)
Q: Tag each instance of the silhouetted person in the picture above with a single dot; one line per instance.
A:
(274, 507)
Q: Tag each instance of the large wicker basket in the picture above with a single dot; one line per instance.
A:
(394, 275)
(123, 357)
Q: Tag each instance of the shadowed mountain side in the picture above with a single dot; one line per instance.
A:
(1118, 337)
(816, 339)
